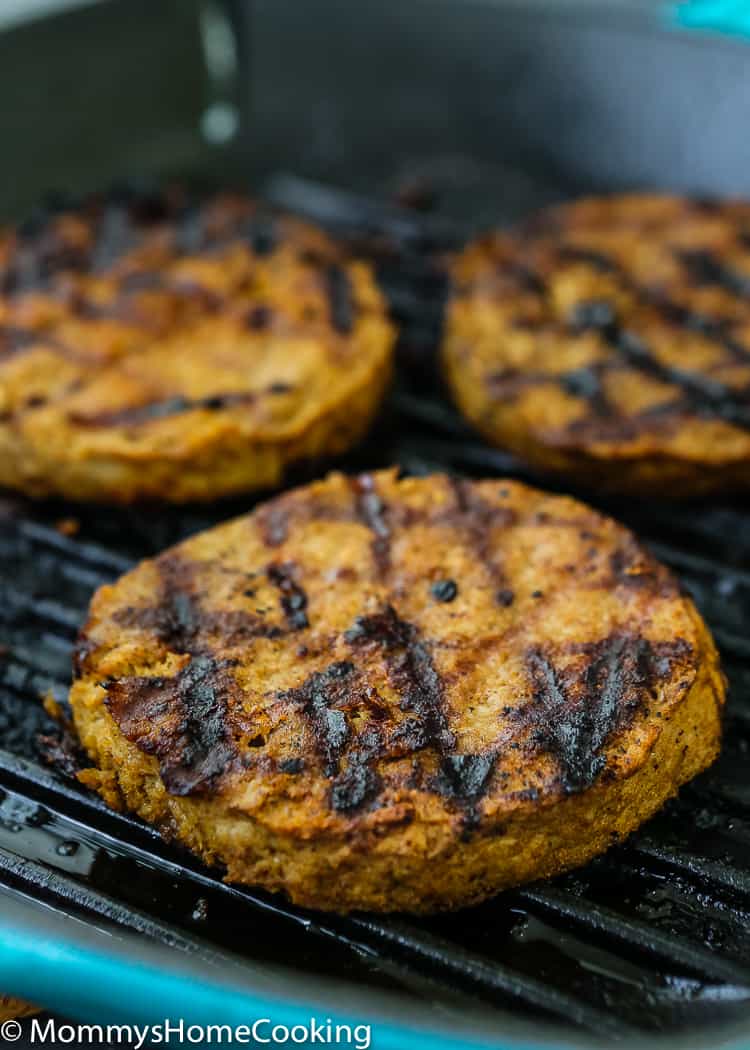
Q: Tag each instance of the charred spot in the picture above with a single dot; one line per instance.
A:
(465, 776)
(505, 597)
(358, 784)
(292, 766)
(592, 313)
(527, 279)
(261, 233)
(596, 260)
(582, 382)
(62, 750)
(340, 301)
(444, 590)
(258, 317)
(293, 597)
(183, 721)
(409, 735)
(319, 696)
(384, 628)
(587, 383)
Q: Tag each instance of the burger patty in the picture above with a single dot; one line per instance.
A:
(397, 694)
(163, 347)
(609, 340)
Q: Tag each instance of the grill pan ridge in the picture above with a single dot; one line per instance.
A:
(654, 937)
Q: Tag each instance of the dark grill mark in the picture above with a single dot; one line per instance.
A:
(574, 715)
(371, 511)
(412, 672)
(704, 268)
(179, 620)
(527, 279)
(339, 292)
(182, 721)
(714, 328)
(588, 384)
(476, 519)
(293, 597)
(703, 395)
(319, 697)
(172, 406)
(465, 776)
(359, 782)
(292, 766)
(324, 698)
(698, 394)
(177, 617)
(596, 260)
(592, 313)
(461, 778)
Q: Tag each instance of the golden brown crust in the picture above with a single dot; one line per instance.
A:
(609, 341)
(398, 694)
(180, 351)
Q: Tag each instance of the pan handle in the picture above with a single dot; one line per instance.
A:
(719, 16)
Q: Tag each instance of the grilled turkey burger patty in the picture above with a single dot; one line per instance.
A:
(398, 694)
(167, 348)
(608, 341)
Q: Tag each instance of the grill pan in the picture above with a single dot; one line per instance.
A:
(651, 940)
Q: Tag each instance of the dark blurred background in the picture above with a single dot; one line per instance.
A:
(463, 99)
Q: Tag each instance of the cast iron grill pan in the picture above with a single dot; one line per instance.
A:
(653, 937)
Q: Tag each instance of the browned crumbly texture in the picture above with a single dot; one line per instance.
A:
(10, 1008)
(398, 694)
(165, 349)
(609, 341)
